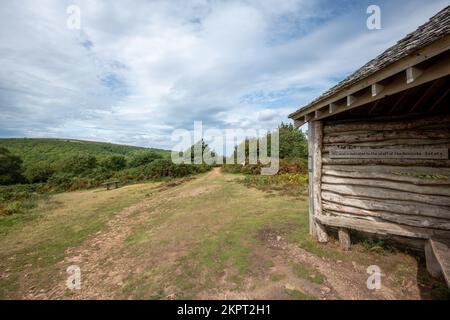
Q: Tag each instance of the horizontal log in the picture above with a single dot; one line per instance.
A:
(394, 176)
(388, 145)
(381, 228)
(386, 125)
(394, 143)
(390, 169)
(390, 162)
(395, 206)
(381, 193)
(433, 127)
(392, 185)
(387, 135)
(409, 220)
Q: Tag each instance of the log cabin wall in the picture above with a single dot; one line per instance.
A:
(405, 197)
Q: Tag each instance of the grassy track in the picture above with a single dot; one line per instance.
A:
(210, 237)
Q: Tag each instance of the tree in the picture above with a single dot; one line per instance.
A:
(143, 158)
(293, 142)
(79, 164)
(10, 168)
(198, 158)
(114, 163)
(39, 172)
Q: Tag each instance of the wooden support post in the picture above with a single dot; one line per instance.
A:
(412, 74)
(344, 239)
(312, 224)
(376, 89)
(350, 100)
(433, 266)
(332, 107)
(321, 233)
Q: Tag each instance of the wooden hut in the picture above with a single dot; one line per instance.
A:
(379, 148)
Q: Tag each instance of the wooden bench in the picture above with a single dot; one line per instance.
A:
(437, 252)
(109, 184)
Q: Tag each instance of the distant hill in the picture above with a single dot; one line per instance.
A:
(52, 150)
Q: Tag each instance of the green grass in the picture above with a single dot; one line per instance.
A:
(52, 150)
(206, 236)
(298, 295)
(308, 273)
(34, 243)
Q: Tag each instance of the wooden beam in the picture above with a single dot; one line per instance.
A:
(344, 239)
(412, 74)
(432, 50)
(441, 98)
(312, 223)
(377, 89)
(375, 105)
(433, 72)
(350, 100)
(424, 96)
(298, 123)
(309, 117)
(320, 230)
(398, 102)
(440, 250)
(321, 112)
(332, 107)
(381, 228)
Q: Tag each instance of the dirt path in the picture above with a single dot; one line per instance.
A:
(191, 236)
(103, 269)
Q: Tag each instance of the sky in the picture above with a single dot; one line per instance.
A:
(137, 70)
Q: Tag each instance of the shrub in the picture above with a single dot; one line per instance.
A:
(114, 163)
(79, 164)
(10, 168)
(18, 198)
(141, 159)
(39, 172)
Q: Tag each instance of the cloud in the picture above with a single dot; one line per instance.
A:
(137, 71)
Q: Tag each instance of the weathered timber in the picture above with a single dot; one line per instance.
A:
(387, 184)
(381, 228)
(440, 249)
(397, 143)
(389, 170)
(321, 232)
(433, 144)
(312, 223)
(344, 239)
(382, 125)
(389, 162)
(380, 193)
(317, 178)
(439, 179)
(404, 219)
(405, 207)
(387, 135)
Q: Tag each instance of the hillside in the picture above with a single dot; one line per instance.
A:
(51, 150)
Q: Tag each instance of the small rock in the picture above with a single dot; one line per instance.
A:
(326, 290)
(339, 261)
(289, 287)
(278, 238)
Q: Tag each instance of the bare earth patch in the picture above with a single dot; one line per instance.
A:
(211, 238)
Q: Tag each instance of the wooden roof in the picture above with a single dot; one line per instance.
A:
(409, 54)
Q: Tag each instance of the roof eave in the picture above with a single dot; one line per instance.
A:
(409, 65)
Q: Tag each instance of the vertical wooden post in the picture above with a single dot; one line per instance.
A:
(319, 229)
(344, 239)
(312, 230)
